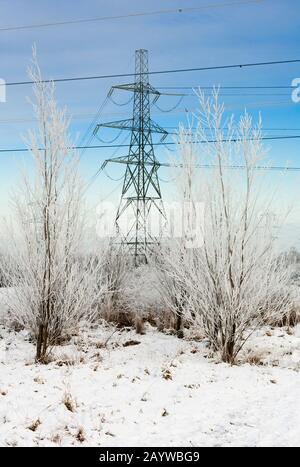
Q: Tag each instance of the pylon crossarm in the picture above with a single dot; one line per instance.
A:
(127, 161)
(136, 87)
(128, 125)
(120, 124)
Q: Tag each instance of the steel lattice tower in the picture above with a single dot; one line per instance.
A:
(141, 189)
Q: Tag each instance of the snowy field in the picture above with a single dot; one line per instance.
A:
(159, 392)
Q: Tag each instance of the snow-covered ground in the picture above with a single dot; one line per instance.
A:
(160, 392)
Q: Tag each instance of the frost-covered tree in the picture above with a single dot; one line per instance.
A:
(54, 283)
(236, 280)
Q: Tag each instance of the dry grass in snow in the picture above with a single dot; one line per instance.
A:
(159, 391)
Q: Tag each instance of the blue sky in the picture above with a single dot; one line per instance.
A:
(264, 31)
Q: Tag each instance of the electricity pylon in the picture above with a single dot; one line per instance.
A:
(141, 190)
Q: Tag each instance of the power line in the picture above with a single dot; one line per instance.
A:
(88, 116)
(242, 94)
(84, 140)
(264, 129)
(157, 72)
(85, 116)
(225, 87)
(264, 138)
(128, 15)
(240, 167)
(253, 94)
(95, 176)
(113, 146)
(198, 166)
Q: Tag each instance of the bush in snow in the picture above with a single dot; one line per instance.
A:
(54, 284)
(141, 297)
(132, 296)
(236, 280)
(116, 269)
